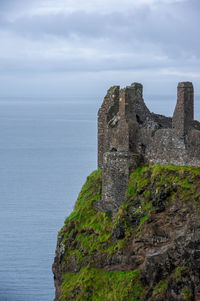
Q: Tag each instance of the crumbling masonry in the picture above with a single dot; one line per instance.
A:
(128, 133)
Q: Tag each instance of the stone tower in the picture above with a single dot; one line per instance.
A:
(184, 111)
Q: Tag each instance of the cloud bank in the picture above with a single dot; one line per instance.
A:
(96, 43)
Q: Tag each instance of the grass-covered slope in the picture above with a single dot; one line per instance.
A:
(145, 252)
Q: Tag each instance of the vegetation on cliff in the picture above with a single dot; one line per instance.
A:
(147, 251)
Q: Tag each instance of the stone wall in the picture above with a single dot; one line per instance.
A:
(127, 128)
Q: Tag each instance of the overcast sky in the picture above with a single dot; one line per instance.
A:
(81, 47)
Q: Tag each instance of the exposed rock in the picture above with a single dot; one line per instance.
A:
(119, 231)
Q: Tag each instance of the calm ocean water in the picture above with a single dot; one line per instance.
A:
(47, 148)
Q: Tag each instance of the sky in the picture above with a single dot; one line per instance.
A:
(82, 47)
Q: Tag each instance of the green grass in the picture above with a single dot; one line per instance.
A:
(160, 289)
(111, 88)
(187, 180)
(187, 294)
(92, 228)
(87, 235)
(98, 285)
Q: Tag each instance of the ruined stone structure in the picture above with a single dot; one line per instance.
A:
(128, 133)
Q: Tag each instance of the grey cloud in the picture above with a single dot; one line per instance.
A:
(77, 64)
(143, 40)
(26, 65)
(10, 5)
(79, 23)
(167, 27)
(7, 6)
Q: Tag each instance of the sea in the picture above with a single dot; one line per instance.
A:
(48, 146)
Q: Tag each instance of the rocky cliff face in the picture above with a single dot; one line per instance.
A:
(148, 250)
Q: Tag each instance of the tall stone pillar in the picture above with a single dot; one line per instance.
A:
(130, 100)
(184, 111)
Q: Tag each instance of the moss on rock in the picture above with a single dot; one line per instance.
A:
(97, 284)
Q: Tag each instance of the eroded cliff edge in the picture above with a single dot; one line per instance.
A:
(148, 250)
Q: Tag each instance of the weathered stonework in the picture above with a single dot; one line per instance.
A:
(108, 110)
(116, 170)
(184, 111)
(127, 129)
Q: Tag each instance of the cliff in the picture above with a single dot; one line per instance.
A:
(148, 250)
(134, 233)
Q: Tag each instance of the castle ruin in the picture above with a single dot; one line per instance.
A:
(128, 134)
